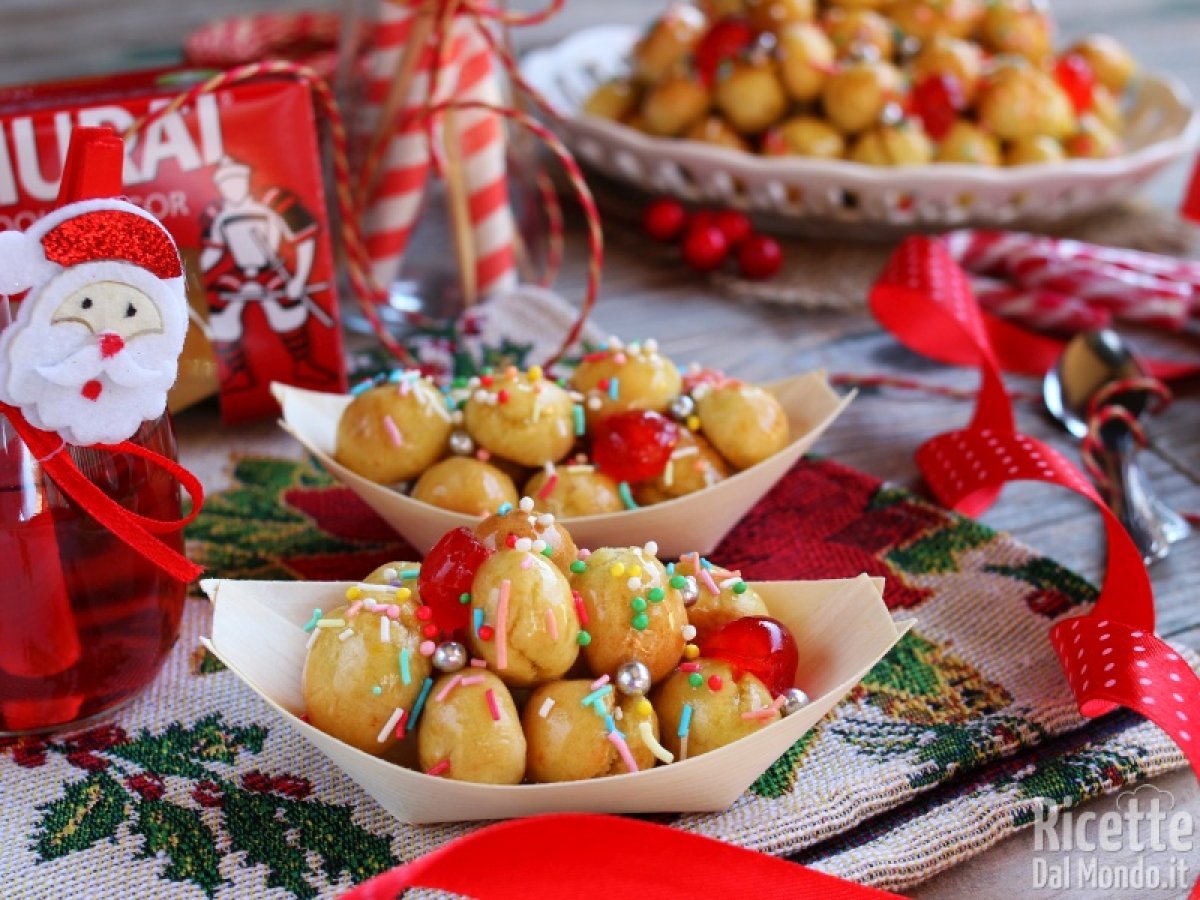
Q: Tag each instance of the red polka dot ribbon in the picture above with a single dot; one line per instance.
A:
(1111, 656)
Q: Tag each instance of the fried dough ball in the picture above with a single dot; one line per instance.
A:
(466, 485)
(806, 57)
(851, 30)
(502, 530)
(854, 98)
(1094, 140)
(570, 742)
(538, 639)
(1034, 150)
(1023, 103)
(529, 421)
(775, 15)
(615, 100)
(341, 674)
(694, 465)
(645, 380)
(665, 47)
(393, 433)
(966, 142)
(458, 726)
(722, 9)
(577, 491)
(925, 19)
(734, 599)
(718, 132)
(902, 144)
(389, 574)
(804, 136)
(716, 718)
(614, 580)
(745, 423)
(1111, 63)
(751, 96)
(951, 56)
(1019, 27)
(674, 105)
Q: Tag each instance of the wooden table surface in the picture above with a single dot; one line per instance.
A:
(879, 432)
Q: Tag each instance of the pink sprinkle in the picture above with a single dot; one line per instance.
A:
(447, 688)
(427, 648)
(479, 663)
(400, 724)
(354, 608)
(439, 768)
(389, 425)
(502, 625)
(778, 702)
(404, 387)
(393, 611)
(623, 749)
(482, 455)
(619, 358)
(580, 608)
(766, 712)
(548, 487)
(599, 682)
(526, 562)
(709, 585)
(471, 679)
(493, 706)
(584, 553)
(689, 667)
(551, 624)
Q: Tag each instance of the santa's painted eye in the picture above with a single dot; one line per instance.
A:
(130, 311)
(87, 303)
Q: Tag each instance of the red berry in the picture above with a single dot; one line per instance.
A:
(634, 445)
(937, 100)
(1075, 76)
(736, 226)
(447, 573)
(760, 256)
(705, 247)
(759, 645)
(664, 220)
(726, 40)
(702, 218)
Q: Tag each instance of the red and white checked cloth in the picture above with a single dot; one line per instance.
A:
(394, 204)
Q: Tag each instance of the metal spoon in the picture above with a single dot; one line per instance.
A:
(1091, 361)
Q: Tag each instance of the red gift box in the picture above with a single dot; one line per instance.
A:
(236, 178)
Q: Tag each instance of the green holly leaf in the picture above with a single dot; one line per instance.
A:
(343, 846)
(255, 829)
(780, 778)
(188, 843)
(183, 751)
(937, 552)
(89, 811)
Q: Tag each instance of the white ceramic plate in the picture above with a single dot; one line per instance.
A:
(842, 628)
(831, 197)
(696, 522)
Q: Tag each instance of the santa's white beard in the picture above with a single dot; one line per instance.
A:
(67, 385)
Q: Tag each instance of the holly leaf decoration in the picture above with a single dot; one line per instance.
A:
(88, 812)
(255, 829)
(180, 834)
(182, 751)
(343, 847)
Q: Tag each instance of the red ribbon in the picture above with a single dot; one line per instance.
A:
(135, 530)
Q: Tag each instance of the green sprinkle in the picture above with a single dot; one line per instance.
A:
(410, 574)
(584, 638)
(626, 495)
(678, 582)
(312, 622)
(580, 421)
(695, 679)
(377, 690)
(547, 551)
(638, 604)
(740, 587)
(656, 595)
(464, 598)
(579, 567)
(641, 621)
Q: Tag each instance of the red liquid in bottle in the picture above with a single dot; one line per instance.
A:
(87, 621)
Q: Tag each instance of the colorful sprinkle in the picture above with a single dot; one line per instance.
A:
(385, 634)
(693, 423)
(353, 592)
(486, 632)
(426, 686)
(502, 625)
(400, 726)
(709, 585)
(638, 604)
(610, 724)
(331, 623)
(685, 721)
(644, 707)
(661, 753)
(478, 663)
(584, 639)
(410, 574)
(311, 624)
(547, 705)
(614, 389)
(377, 690)
(689, 667)
(389, 725)
(626, 495)
(641, 621)
(616, 570)
(446, 688)
(354, 609)
(656, 595)
(740, 587)
(691, 651)
(405, 672)
(469, 680)
(476, 620)
(346, 635)
(695, 679)
(393, 431)
(580, 608)
(493, 706)
(715, 682)
(548, 488)
(600, 682)
(439, 768)
(767, 712)
(678, 582)
(505, 509)
(688, 632)
(464, 598)
(580, 421)
(578, 567)
(427, 648)
(598, 694)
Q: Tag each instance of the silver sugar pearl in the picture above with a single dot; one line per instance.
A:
(794, 700)
(449, 657)
(461, 443)
(633, 678)
(682, 407)
(690, 592)
(893, 114)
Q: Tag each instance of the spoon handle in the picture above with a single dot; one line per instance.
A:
(1133, 500)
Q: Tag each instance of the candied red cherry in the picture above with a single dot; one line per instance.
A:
(736, 226)
(634, 445)
(447, 573)
(726, 40)
(759, 645)
(760, 257)
(937, 101)
(664, 220)
(1075, 76)
(705, 247)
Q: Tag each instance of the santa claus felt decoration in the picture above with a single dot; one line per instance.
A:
(95, 344)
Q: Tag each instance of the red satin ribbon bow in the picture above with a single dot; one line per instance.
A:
(136, 530)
